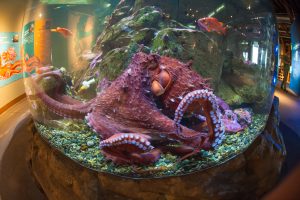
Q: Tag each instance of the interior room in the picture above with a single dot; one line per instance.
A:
(149, 99)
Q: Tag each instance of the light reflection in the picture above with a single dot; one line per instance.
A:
(219, 9)
(255, 52)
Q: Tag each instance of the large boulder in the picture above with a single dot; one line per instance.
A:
(123, 37)
(163, 27)
(188, 44)
(245, 83)
(158, 33)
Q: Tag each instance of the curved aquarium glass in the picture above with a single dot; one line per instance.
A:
(142, 88)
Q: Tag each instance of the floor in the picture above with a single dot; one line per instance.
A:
(289, 110)
(18, 182)
(12, 147)
(20, 110)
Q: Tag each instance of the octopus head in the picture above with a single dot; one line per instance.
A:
(171, 79)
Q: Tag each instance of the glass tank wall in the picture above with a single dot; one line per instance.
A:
(154, 88)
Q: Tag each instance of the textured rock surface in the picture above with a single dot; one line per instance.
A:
(241, 80)
(152, 28)
(196, 46)
(248, 175)
(165, 27)
(127, 29)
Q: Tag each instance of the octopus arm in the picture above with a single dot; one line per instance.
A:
(146, 117)
(129, 148)
(59, 89)
(66, 99)
(202, 100)
(69, 108)
(76, 111)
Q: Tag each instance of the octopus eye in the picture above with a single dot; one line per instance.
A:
(161, 83)
(157, 88)
(164, 78)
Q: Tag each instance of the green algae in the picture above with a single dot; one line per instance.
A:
(78, 142)
(165, 43)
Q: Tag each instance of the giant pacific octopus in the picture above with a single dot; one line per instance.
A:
(134, 114)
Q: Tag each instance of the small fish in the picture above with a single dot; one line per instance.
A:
(63, 31)
(210, 24)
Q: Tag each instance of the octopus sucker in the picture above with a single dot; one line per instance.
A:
(133, 114)
(130, 148)
(139, 141)
(207, 100)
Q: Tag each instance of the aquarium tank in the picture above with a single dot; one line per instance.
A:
(149, 88)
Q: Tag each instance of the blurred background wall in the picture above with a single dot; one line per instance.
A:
(11, 16)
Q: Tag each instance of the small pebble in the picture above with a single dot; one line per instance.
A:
(90, 143)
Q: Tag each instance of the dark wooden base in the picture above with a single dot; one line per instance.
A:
(247, 176)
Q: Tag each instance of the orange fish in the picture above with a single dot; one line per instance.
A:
(63, 31)
(210, 24)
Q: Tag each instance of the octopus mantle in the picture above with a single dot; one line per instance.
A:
(133, 114)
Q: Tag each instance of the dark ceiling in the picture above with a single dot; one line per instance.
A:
(289, 7)
(286, 12)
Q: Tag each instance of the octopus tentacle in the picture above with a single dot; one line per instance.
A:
(135, 140)
(58, 93)
(75, 110)
(55, 74)
(237, 120)
(244, 117)
(222, 104)
(208, 102)
(59, 89)
(181, 150)
(126, 148)
(146, 158)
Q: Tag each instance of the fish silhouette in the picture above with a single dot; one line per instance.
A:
(63, 31)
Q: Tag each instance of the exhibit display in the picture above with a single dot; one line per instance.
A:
(11, 68)
(145, 89)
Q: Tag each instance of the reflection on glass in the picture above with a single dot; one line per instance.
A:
(146, 88)
(255, 48)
